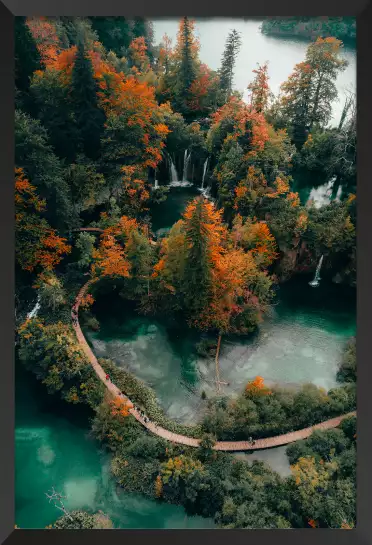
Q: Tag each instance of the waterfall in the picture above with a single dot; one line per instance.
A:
(186, 161)
(315, 282)
(204, 171)
(174, 182)
(156, 184)
(173, 171)
(35, 310)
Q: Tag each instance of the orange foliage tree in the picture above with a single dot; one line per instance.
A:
(135, 128)
(120, 406)
(256, 388)
(110, 258)
(38, 247)
(259, 89)
(47, 42)
(255, 236)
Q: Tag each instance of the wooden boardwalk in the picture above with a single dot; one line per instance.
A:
(183, 439)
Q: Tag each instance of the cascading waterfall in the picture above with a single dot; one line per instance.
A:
(186, 161)
(174, 182)
(204, 172)
(173, 171)
(156, 184)
(35, 310)
(315, 282)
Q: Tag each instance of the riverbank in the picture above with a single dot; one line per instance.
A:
(308, 28)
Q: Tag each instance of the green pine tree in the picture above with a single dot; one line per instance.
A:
(114, 33)
(230, 53)
(89, 117)
(198, 267)
(27, 60)
(186, 72)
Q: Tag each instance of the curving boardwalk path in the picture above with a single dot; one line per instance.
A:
(183, 439)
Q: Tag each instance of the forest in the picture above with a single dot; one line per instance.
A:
(102, 116)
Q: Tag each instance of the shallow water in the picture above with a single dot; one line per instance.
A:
(276, 458)
(301, 342)
(53, 449)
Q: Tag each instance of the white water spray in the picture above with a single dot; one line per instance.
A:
(186, 162)
(204, 172)
(315, 282)
(35, 310)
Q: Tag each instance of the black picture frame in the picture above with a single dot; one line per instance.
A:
(362, 9)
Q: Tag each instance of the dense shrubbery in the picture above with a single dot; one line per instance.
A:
(279, 411)
(323, 483)
(54, 355)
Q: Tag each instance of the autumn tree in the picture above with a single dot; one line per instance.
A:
(255, 236)
(139, 57)
(310, 90)
(38, 247)
(89, 116)
(142, 28)
(322, 497)
(259, 90)
(256, 388)
(205, 91)
(110, 259)
(226, 72)
(45, 35)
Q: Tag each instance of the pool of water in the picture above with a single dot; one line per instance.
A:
(301, 342)
(53, 449)
(167, 213)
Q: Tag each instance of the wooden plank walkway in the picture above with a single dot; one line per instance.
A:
(183, 439)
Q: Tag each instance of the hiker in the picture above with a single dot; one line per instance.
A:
(250, 440)
(107, 377)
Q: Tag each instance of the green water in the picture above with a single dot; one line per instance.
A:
(165, 214)
(53, 449)
(301, 342)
